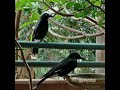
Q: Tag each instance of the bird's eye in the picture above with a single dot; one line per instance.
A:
(46, 14)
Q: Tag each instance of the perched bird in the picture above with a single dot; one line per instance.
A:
(40, 30)
(63, 68)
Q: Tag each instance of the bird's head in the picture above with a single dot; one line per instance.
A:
(76, 56)
(46, 16)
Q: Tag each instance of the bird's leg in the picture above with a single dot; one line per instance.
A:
(44, 40)
(66, 76)
(39, 41)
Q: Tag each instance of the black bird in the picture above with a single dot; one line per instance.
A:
(40, 30)
(63, 68)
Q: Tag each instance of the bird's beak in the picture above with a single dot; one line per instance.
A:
(82, 58)
(51, 15)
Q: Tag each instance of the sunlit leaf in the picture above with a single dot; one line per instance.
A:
(35, 16)
(25, 24)
(63, 1)
(58, 17)
(97, 3)
(92, 1)
(54, 0)
(20, 3)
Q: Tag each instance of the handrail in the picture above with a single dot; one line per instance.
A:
(59, 45)
(35, 63)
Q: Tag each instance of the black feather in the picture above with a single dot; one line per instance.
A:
(40, 30)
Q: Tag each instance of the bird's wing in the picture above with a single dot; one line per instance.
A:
(64, 64)
(67, 67)
(36, 29)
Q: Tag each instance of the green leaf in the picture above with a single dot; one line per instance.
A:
(101, 22)
(82, 14)
(20, 3)
(54, 0)
(85, 13)
(77, 6)
(45, 7)
(63, 1)
(25, 24)
(85, 4)
(69, 5)
(97, 3)
(99, 14)
(35, 16)
(58, 17)
(92, 1)
(77, 15)
(93, 13)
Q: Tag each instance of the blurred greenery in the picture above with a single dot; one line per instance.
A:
(31, 12)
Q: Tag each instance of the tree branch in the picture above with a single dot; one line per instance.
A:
(64, 37)
(75, 37)
(96, 6)
(17, 21)
(66, 28)
(26, 64)
(84, 8)
(94, 35)
(94, 21)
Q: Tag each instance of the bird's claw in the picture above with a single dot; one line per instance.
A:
(39, 41)
(45, 41)
(64, 78)
(33, 57)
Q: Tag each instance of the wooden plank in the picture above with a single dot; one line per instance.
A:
(51, 84)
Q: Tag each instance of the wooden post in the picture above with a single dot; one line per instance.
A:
(100, 54)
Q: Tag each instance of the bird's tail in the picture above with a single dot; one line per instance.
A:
(35, 51)
(35, 86)
(43, 79)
